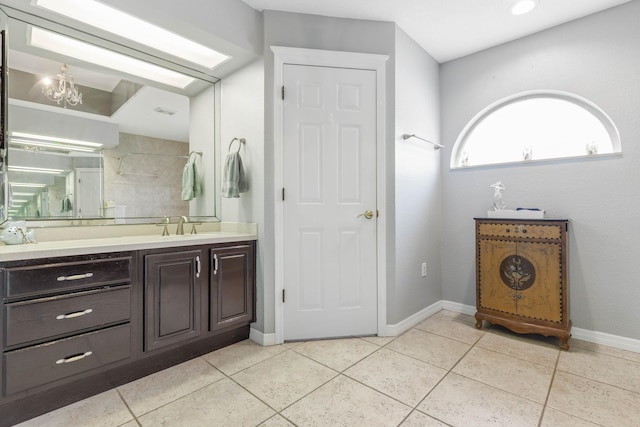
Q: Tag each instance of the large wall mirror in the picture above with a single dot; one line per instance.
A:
(97, 136)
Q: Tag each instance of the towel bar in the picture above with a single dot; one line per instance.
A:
(436, 146)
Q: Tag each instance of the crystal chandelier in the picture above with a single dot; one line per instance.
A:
(66, 92)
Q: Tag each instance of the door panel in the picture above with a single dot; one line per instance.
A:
(542, 300)
(172, 298)
(495, 295)
(330, 178)
(232, 299)
(311, 295)
(88, 192)
(349, 283)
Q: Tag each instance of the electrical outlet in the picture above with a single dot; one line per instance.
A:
(424, 269)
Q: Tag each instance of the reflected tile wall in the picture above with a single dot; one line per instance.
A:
(148, 185)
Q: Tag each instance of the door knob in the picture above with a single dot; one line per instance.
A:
(367, 214)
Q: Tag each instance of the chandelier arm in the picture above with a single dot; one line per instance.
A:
(68, 95)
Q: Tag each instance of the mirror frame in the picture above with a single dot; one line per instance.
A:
(4, 98)
(9, 13)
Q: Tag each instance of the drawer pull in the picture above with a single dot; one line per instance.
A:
(73, 358)
(75, 277)
(74, 314)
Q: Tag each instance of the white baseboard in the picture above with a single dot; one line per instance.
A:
(411, 321)
(595, 337)
(456, 307)
(261, 338)
(603, 338)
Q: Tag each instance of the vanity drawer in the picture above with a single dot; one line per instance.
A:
(41, 318)
(38, 279)
(38, 365)
(518, 230)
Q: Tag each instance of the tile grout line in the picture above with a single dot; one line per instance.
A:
(546, 400)
(449, 371)
(176, 399)
(127, 406)
(279, 412)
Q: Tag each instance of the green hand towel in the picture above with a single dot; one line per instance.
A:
(233, 180)
(189, 179)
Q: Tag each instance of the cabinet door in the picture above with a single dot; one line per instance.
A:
(232, 286)
(493, 293)
(172, 297)
(542, 299)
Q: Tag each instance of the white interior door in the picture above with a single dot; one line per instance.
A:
(88, 191)
(329, 242)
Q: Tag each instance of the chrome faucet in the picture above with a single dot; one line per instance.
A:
(181, 221)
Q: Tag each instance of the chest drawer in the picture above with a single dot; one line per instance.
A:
(38, 279)
(38, 365)
(520, 230)
(42, 318)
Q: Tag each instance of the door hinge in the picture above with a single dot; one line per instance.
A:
(283, 295)
(283, 194)
(283, 92)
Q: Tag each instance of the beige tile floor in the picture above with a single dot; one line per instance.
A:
(443, 372)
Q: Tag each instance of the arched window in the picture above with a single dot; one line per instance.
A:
(538, 125)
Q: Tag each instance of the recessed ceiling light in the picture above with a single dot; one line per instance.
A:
(36, 170)
(27, 184)
(34, 138)
(68, 46)
(114, 21)
(523, 6)
(32, 141)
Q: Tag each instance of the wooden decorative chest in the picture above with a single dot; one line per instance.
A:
(522, 278)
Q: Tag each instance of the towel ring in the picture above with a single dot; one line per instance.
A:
(241, 141)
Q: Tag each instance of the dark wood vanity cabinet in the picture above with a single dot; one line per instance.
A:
(64, 317)
(194, 292)
(232, 300)
(173, 293)
(72, 327)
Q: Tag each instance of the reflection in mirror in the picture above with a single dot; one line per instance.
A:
(94, 134)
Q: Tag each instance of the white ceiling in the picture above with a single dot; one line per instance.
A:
(449, 29)
(138, 115)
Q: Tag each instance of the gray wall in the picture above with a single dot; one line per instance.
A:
(595, 57)
(417, 182)
(242, 116)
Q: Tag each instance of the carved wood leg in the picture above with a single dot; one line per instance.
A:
(478, 322)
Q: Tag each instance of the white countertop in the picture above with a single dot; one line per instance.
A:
(116, 244)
